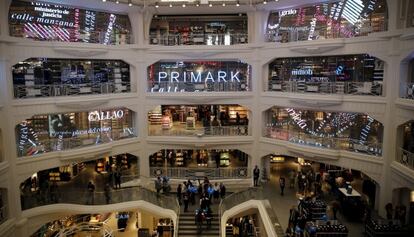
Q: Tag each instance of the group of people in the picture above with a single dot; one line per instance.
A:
(162, 184)
(243, 227)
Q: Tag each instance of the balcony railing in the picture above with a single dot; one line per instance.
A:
(61, 144)
(335, 143)
(348, 88)
(244, 196)
(406, 158)
(199, 39)
(82, 196)
(409, 91)
(241, 130)
(3, 214)
(201, 172)
(23, 91)
(202, 87)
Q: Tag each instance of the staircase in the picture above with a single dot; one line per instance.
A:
(188, 228)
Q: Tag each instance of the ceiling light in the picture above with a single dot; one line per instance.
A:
(170, 5)
(130, 3)
(238, 4)
(156, 5)
(103, 0)
(197, 4)
(184, 5)
(117, 2)
(210, 5)
(264, 2)
(224, 4)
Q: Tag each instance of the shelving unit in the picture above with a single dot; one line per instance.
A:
(179, 159)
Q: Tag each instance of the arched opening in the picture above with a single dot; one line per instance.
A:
(335, 19)
(124, 223)
(199, 120)
(224, 29)
(405, 144)
(56, 22)
(359, 74)
(47, 77)
(198, 163)
(199, 76)
(408, 86)
(71, 183)
(402, 206)
(57, 132)
(350, 131)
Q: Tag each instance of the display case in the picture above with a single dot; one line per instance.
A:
(190, 123)
(325, 229)
(315, 210)
(179, 159)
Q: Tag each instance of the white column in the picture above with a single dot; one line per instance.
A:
(257, 21)
(4, 18)
(394, 20)
(137, 25)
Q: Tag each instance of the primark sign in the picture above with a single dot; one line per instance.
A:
(193, 77)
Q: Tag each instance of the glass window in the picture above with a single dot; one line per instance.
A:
(339, 19)
(56, 132)
(53, 22)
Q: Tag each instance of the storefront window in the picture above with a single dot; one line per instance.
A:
(338, 19)
(199, 29)
(54, 22)
(409, 87)
(333, 130)
(46, 77)
(199, 76)
(198, 120)
(346, 74)
(57, 132)
(214, 163)
(406, 150)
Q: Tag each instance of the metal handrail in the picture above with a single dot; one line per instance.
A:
(373, 88)
(60, 144)
(198, 39)
(24, 91)
(82, 196)
(177, 87)
(336, 143)
(235, 130)
(212, 173)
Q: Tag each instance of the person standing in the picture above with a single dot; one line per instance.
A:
(222, 191)
(179, 190)
(186, 199)
(282, 183)
(107, 191)
(256, 174)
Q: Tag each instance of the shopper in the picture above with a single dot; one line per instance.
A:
(199, 220)
(236, 228)
(107, 192)
(91, 193)
(282, 185)
(158, 185)
(256, 174)
(216, 193)
(179, 190)
(186, 199)
(222, 191)
(117, 179)
(54, 193)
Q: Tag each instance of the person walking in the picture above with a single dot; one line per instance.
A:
(186, 198)
(256, 174)
(282, 183)
(222, 191)
(91, 193)
(118, 179)
(158, 185)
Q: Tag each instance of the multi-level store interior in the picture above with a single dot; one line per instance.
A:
(184, 118)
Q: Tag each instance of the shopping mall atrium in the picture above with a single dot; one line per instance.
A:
(184, 118)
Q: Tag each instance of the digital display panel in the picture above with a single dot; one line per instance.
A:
(53, 22)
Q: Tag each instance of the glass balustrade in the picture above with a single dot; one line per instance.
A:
(82, 196)
(200, 172)
(198, 39)
(241, 130)
(340, 88)
(335, 143)
(405, 157)
(408, 91)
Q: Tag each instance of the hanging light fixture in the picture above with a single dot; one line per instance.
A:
(264, 2)
(238, 4)
(170, 5)
(130, 3)
(156, 5)
(103, 0)
(224, 4)
(197, 4)
(184, 5)
(210, 5)
(117, 2)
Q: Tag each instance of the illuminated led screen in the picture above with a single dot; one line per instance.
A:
(52, 22)
(339, 19)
